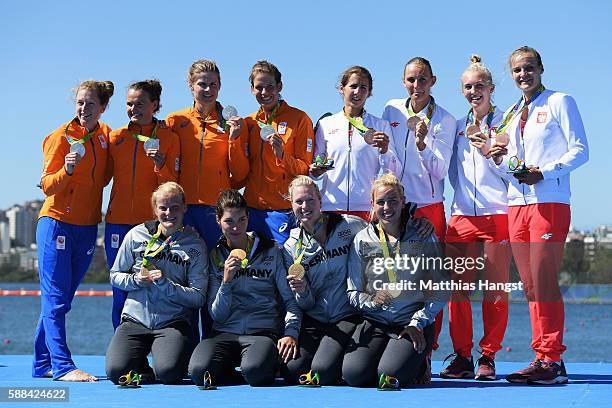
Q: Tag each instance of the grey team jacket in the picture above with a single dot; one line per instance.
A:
(184, 266)
(252, 302)
(417, 307)
(325, 297)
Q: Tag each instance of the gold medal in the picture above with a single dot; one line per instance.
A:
(296, 270)
(144, 270)
(238, 253)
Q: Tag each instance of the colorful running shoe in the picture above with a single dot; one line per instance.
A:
(486, 369)
(522, 375)
(459, 367)
(548, 373)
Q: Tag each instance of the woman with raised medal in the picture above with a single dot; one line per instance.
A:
(390, 348)
(547, 135)
(320, 243)
(211, 156)
(164, 268)
(358, 144)
(247, 290)
(423, 134)
(278, 148)
(478, 226)
(143, 155)
(74, 175)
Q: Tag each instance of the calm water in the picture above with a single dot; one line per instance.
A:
(89, 328)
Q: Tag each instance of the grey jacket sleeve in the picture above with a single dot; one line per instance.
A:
(121, 275)
(438, 298)
(219, 295)
(194, 295)
(306, 299)
(293, 315)
(357, 280)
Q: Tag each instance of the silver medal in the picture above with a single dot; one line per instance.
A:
(229, 112)
(266, 132)
(78, 148)
(151, 144)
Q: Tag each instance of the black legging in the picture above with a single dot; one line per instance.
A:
(376, 349)
(220, 354)
(132, 343)
(322, 347)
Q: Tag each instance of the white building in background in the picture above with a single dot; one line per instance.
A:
(20, 225)
(5, 238)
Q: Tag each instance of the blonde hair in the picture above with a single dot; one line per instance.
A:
(201, 66)
(476, 65)
(103, 89)
(526, 50)
(303, 181)
(169, 187)
(387, 180)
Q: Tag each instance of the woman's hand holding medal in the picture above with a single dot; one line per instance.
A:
(420, 132)
(297, 285)
(377, 139)
(382, 297)
(233, 263)
(71, 160)
(158, 157)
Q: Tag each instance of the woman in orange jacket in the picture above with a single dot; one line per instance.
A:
(143, 154)
(279, 147)
(73, 178)
(210, 145)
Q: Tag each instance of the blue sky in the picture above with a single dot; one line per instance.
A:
(48, 47)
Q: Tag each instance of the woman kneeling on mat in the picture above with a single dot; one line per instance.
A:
(164, 268)
(398, 297)
(248, 289)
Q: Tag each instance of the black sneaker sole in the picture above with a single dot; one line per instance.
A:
(522, 380)
(557, 380)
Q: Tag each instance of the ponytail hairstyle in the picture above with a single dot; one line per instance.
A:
(153, 89)
(103, 89)
(476, 65)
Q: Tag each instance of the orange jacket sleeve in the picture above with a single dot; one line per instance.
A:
(298, 151)
(54, 177)
(170, 169)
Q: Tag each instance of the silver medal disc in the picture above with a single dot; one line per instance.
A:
(78, 148)
(229, 112)
(151, 144)
(266, 132)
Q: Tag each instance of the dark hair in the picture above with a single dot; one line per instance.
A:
(152, 87)
(422, 61)
(526, 50)
(358, 70)
(229, 199)
(103, 89)
(265, 67)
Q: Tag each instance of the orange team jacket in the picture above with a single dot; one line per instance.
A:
(209, 160)
(135, 176)
(267, 180)
(77, 198)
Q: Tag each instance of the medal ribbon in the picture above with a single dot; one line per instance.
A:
(268, 118)
(168, 241)
(383, 242)
(143, 138)
(517, 109)
(245, 261)
(82, 141)
(430, 110)
(471, 119)
(298, 257)
(357, 123)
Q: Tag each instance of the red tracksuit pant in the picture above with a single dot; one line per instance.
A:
(471, 237)
(537, 235)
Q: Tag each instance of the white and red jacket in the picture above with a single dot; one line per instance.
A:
(553, 140)
(479, 187)
(347, 186)
(422, 172)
